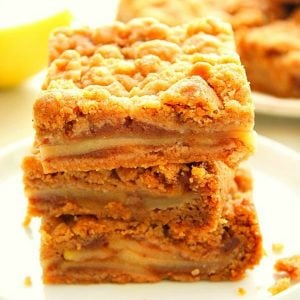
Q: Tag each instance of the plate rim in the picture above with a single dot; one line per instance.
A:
(275, 106)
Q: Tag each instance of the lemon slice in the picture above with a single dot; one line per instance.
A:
(24, 48)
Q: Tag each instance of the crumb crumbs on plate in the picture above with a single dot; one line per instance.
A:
(27, 281)
(280, 285)
(241, 291)
(265, 253)
(277, 248)
(289, 267)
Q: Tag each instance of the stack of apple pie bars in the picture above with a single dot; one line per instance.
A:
(135, 169)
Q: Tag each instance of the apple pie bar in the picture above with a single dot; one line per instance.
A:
(179, 196)
(267, 34)
(142, 94)
(85, 249)
(277, 48)
(240, 13)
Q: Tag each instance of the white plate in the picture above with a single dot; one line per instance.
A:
(271, 105)
(277, 190)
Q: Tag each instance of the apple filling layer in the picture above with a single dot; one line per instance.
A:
(131, 256)
(89, 145)
(96, 200)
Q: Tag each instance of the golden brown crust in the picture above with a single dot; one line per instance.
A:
(132, 116)
(185, 79)
(191, 65)
(236, 241)
(77, 115)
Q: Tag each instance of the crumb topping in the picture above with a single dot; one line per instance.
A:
(186, 78)
(144, 58)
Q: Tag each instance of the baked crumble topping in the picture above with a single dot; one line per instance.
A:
(145, 58)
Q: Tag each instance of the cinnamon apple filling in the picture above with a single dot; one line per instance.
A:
(89, 145)
(96, 200)
(125, 254)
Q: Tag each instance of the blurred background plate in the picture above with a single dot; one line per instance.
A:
(271, 105)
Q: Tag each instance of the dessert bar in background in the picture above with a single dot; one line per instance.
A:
(267, 34)
(277, 56)
(240, 13)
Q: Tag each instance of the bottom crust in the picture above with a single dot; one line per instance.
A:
(85, 249)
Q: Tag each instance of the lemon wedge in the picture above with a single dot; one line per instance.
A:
(24, 48)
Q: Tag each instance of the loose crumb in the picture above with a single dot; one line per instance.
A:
(280, 285)
(277, 248)
(241, 291)
(27, 281)
(27, 221)
(289, 265)
(265, 253)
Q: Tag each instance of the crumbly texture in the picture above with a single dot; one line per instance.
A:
(117, 251)
(290, 266)
(267, 34)
(271, 54)
(196, 193)
(280, 285)
(288, 273)
(144, 79)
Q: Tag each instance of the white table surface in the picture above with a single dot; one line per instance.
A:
(16, 117)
